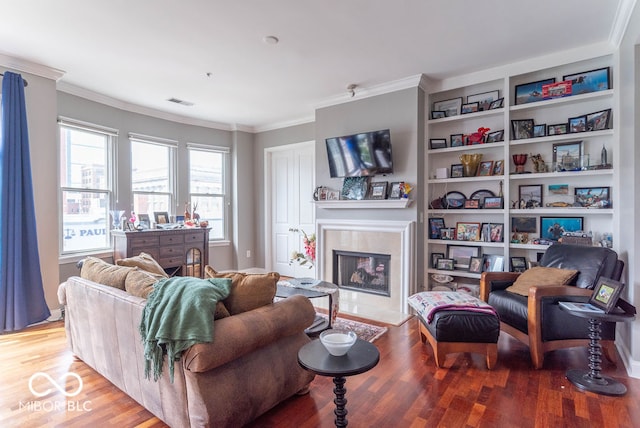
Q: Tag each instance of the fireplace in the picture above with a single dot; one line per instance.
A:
(360, 271)
(390, 240)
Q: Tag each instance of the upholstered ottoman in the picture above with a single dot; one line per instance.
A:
(457, 322)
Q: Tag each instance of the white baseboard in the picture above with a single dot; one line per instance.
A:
(632, 366)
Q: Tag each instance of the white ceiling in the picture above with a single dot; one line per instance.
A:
(142, 52)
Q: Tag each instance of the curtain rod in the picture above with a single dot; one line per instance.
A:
(23, 79)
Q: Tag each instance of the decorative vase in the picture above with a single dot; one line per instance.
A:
(116, 215)
(470, 163)
(519, 160)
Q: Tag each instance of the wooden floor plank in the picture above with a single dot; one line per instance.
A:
(404, 390)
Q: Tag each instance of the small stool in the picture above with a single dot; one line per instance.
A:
(460, 330)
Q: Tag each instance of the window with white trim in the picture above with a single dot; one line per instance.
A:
(153, 167)
(86, 186)
(208, 168)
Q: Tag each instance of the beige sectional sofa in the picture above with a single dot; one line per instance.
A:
(250, 367)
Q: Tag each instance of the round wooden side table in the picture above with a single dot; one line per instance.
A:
(591, 380)
(362, 356)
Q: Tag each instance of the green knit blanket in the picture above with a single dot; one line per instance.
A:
(178, 314)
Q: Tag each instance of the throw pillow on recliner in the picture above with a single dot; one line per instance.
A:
(248, 291)
(541, 276)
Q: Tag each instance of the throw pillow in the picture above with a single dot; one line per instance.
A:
(541, 276)
(140, 283)
(143, 261)
(248, 291)
(97, 270)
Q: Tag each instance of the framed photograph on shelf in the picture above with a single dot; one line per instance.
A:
(483, 99)
(437, 143)
(378, 190)
(467, 231)
(530, 195)
(493, 202)
(552, 228)
(499, 103)
(524, 224)
(567, 156)
(492, 263)
(472, 204)
(161, 217)
(557, 129)
(475, 265)
(531, 92)
(457, 140)
(333, 195)
(518, 264)
(578, 124)
(395, 191)
(539, 130)
(445, 264)
(496, 136)
(485, 168)
(498, 167)
(606, 293)
(435, 114)
(496, 232)
(434, 259)
(469, 108)
(522, 128)
(461, 255)
(599, 120)
(449, 107)
(556, 90)
(436, 224)
(593, 197)
(457, 170)
(589, 81)
(447, 233)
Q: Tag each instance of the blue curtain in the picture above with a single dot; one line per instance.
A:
(21, 292)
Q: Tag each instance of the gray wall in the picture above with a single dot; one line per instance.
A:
(264, 140)
(221, 256)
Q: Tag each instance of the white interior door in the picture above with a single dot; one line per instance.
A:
(290, 177)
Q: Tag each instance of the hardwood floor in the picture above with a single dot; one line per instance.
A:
(404, 390)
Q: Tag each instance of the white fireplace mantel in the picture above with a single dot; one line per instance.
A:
(341, 234)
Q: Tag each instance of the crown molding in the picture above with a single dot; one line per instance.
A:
(621, 21)
(134, 108)
(285, 124)
(372, 91)
(24, 66)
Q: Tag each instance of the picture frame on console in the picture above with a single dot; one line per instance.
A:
(161, 217)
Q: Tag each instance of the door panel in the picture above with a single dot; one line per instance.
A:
(292, 179)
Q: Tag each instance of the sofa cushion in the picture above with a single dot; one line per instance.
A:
(140, 282)
(97, 270)
(540, 277)
(248, 291)
(143, 261)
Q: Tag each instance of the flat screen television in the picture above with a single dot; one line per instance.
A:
(358, 155)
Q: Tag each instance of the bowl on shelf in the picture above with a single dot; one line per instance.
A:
(442, 279)
(338, 342)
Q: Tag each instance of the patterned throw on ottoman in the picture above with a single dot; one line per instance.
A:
(457, 322)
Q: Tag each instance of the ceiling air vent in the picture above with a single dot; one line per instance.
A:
(179, 101)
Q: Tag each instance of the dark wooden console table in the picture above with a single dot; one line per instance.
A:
(182, 252)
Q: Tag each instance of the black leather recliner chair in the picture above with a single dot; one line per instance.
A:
(537, 319)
